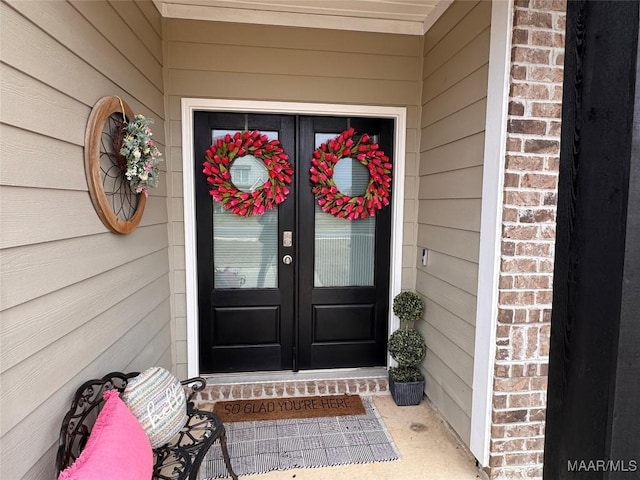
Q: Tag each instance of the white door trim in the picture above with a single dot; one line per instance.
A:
(490, 229)
(190, 105)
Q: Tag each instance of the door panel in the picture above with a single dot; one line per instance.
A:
(326, 309)
(248, 325)
(344, 285)
(343, 323)
(246, 295)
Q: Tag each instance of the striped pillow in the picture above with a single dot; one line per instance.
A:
(156, 398)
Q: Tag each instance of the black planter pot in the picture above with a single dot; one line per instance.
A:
(406, 393)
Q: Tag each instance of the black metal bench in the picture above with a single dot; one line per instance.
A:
(179, 459)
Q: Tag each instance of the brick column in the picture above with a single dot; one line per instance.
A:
(528, 236)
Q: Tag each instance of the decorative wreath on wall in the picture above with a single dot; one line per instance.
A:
(324, 187)
(138, 154)
(121, 163)
(217, 167)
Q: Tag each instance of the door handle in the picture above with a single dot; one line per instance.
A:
(287, 259)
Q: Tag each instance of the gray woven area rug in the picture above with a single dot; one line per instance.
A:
(260, 447)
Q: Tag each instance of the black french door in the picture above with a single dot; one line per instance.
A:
(295, 288)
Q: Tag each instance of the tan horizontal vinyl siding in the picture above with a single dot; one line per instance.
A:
(77, 301)
(305, 39)
(452, 124)
(286, 62)
(292, 64)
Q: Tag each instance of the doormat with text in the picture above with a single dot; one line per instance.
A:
(264, 446)
(290, 407)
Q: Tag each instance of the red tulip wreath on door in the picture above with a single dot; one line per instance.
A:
(324, 187)
(217, 167)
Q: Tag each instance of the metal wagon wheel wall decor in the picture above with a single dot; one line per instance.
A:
(116, 202)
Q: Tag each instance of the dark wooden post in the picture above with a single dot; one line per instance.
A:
(593, 404)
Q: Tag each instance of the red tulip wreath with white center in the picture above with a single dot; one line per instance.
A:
(330, 199)
(221, 155)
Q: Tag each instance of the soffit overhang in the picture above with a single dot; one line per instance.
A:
(406, 17)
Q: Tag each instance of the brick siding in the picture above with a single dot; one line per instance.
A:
(528, 237)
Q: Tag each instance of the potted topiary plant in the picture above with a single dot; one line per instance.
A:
(407, 347)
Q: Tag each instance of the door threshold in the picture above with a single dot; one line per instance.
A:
(291, 376)
(233, 386)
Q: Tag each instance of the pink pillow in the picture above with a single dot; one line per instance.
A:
(117, 447)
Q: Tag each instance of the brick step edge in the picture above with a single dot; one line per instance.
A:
(366, 386)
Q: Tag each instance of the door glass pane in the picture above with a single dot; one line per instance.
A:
(351, 177)
(245, 248)
(344, 249)
(248, 173)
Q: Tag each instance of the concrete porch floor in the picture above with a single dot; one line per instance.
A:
(428, 451)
